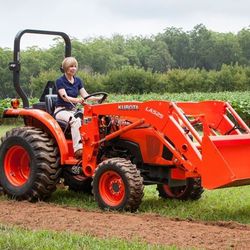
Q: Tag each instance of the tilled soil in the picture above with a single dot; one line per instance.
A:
(150, 228)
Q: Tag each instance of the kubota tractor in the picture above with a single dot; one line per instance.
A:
(179, 146)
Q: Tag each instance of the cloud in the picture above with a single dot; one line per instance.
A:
(84, 18)
(176, 9)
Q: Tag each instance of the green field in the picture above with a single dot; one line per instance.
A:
(240, 100)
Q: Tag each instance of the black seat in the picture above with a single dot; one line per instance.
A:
(50, 103)
(49, 89)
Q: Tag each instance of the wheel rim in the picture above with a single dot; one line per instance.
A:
(174, 192)
(112, 188)
(17, 165)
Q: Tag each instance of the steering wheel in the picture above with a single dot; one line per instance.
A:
(104, 96)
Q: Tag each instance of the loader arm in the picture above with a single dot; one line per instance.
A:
(156, 114)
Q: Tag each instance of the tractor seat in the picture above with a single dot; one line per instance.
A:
(50, 104)
(49, 89)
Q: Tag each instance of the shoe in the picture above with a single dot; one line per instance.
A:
(78, 154)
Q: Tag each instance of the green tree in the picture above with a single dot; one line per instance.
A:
(5, 74)
(159, 58)
(178, 43)
(38, 83)
(244, 41)
(201, 45)
(130, 80)
(132, 51)
(226, 50)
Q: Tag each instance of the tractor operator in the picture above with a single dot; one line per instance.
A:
(68, 88)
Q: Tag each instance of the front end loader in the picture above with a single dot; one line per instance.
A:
(180, 147)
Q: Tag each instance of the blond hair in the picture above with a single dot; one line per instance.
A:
(69, 61)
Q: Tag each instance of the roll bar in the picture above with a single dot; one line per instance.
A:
(15, 66)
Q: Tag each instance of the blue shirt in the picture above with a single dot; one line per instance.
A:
(72, 90)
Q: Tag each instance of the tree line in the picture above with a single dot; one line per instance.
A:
(173, 61)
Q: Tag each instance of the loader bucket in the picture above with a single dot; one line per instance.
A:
(225, 161)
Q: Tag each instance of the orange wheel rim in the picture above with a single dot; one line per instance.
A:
(112, 188)
(17, 165)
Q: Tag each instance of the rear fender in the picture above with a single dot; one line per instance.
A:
(34, 115)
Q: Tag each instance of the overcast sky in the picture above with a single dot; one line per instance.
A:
(83, 19)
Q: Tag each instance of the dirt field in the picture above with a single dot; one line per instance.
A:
(148, 228)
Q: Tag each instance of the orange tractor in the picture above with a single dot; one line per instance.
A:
(180, 147)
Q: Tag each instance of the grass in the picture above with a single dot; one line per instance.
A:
(230, 204)
(13, 238)
(5, 128)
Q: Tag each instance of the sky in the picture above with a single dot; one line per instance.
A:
(83, 19)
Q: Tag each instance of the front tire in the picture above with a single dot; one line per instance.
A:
(29, 164)
(117, 185)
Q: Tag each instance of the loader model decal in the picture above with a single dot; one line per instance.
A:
(154, 112)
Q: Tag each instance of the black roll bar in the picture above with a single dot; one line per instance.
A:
(15, 65)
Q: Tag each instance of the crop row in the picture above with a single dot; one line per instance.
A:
(239, 100)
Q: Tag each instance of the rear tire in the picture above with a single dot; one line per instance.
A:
(191, 191)
(29, 164)
(117, 185)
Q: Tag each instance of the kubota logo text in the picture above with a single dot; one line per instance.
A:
(128, 107)
(154, 112)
